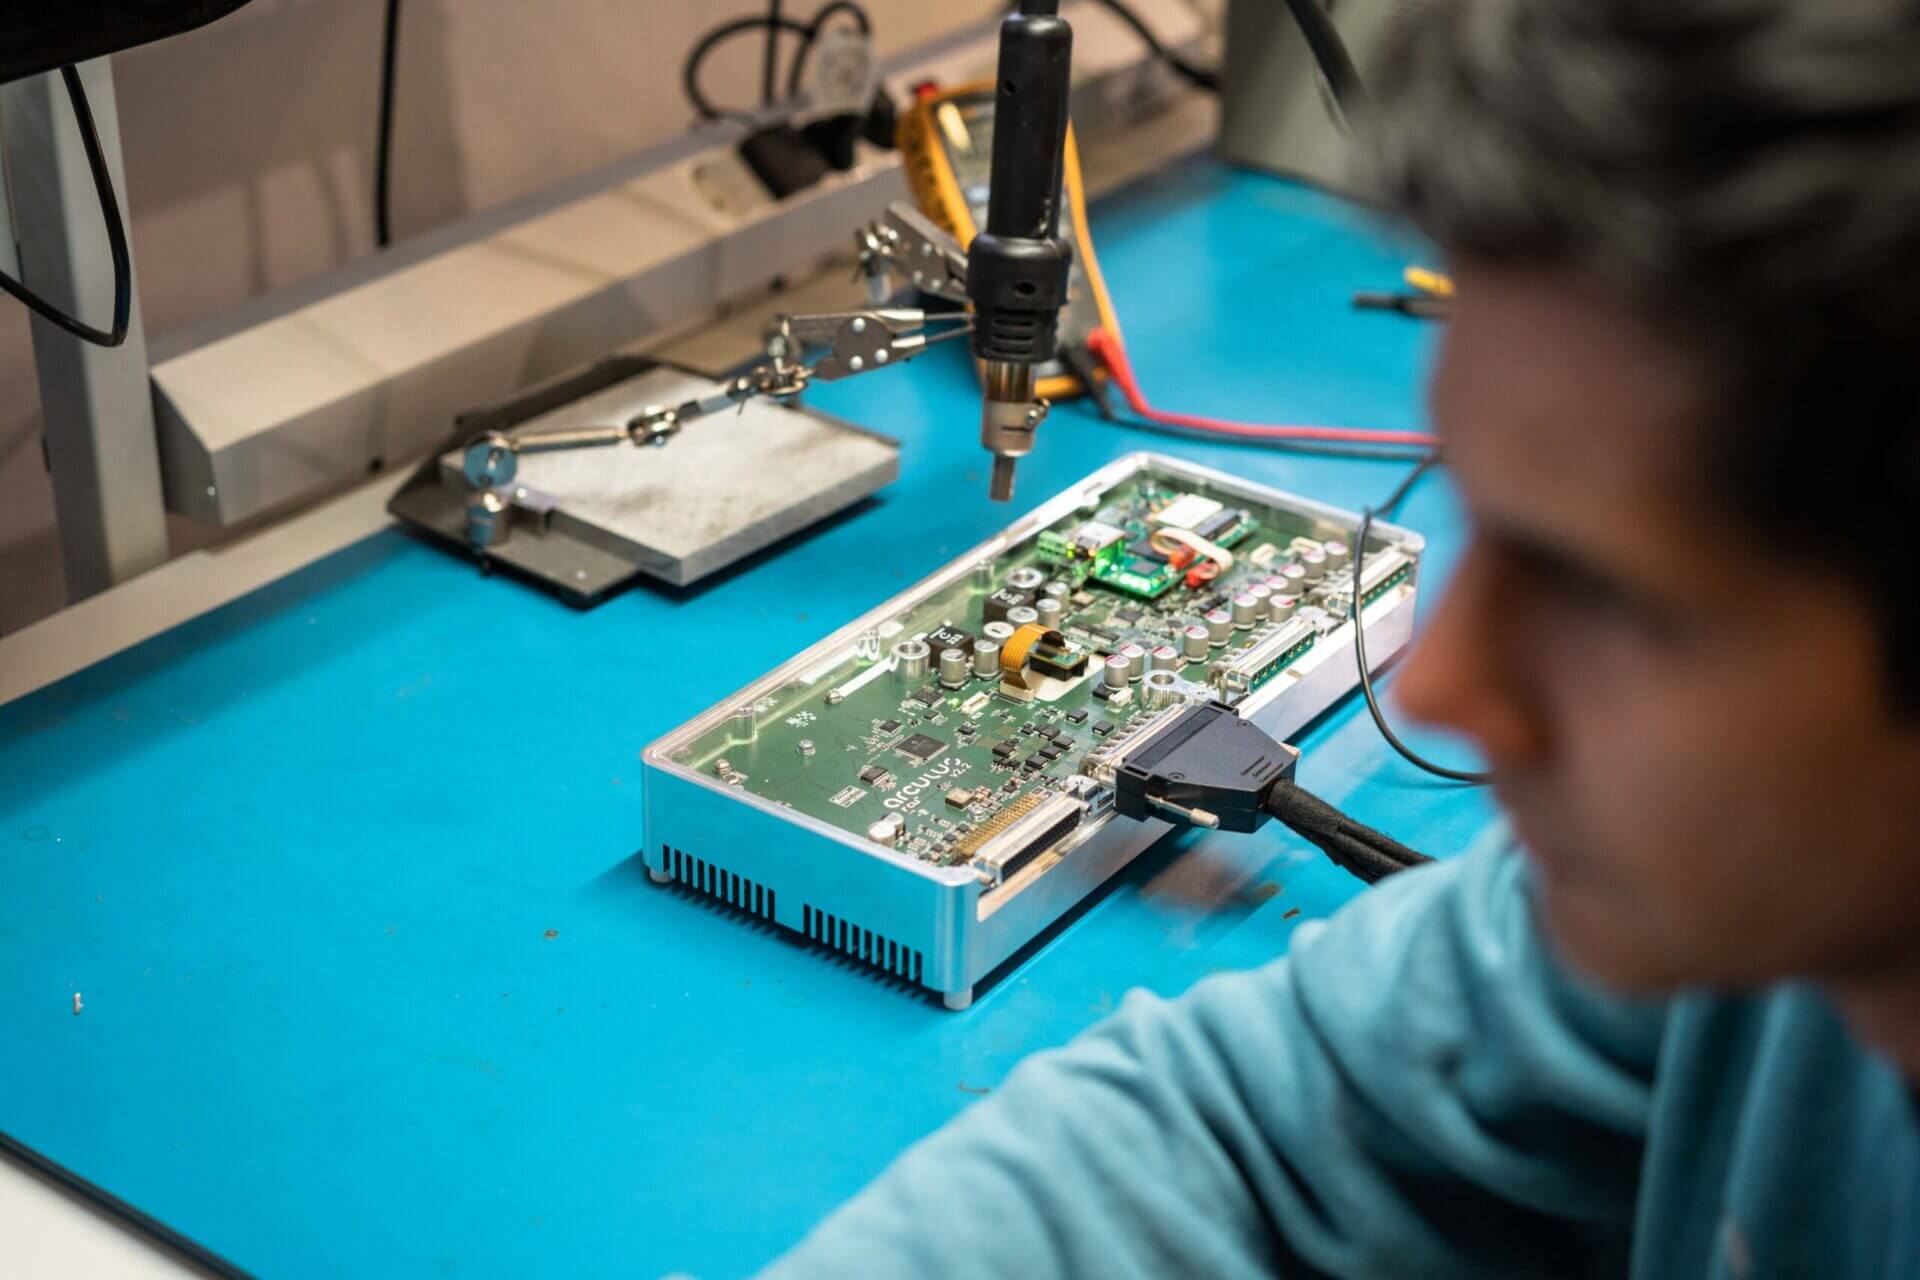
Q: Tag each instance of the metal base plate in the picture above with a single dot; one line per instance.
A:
(727, 486)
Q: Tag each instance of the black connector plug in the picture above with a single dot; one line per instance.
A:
(1204, 767)
(784, 159)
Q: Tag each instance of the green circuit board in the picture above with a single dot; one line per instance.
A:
(871, 743)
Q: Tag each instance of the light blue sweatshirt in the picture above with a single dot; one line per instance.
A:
(1417, 1090)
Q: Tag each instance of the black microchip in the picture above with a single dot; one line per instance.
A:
(889, 726)
(1011, 785)
(920, 747)
(1144, 550)
(1050, 754)
(1005, 749)
(1103, 728)
(928, 696)
(1078, 715)
(997, 604)
(1035, 765)
(873, 775)
(965, 730)
(1104, 642)
(950, 638)
(1101, 692)
(1129, 614)
(1029, 728)
(1062, 665)
(1062, 739)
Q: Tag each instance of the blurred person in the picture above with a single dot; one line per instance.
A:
(1668, 1026)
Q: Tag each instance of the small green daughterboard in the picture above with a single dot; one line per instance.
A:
(1141, 578)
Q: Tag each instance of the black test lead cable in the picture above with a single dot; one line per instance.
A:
(1392, 504)
(773, 22)
(690, 69)
(770, 59)
(1329, 49)
(383, 153)
(116, 237)
(1193, 73)
(1331, 56)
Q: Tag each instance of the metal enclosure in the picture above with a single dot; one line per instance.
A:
(941, 927)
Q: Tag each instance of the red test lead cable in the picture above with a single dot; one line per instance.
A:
(1107, 349)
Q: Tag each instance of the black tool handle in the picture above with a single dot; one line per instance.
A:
(1017, 268)
(1029, 126)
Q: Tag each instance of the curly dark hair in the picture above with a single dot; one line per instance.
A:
(1744, 175)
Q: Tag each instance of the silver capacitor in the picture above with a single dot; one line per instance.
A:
(1313, 564)
(953, 667)
(1281, 607)
(1059, 590)
(1020, 615)
(1219, 626)
(1164, 658)
(910, 658)
(1246, 610)
(1136, 657)
(1117, 672)
(1194, 641)
(1259, 590)
(1026, 578)
(1295, 577)
(1339, 555)
(998, 632)
(1049, 611)
(986, 658)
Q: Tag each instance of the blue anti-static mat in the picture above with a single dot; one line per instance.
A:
(345, 871)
